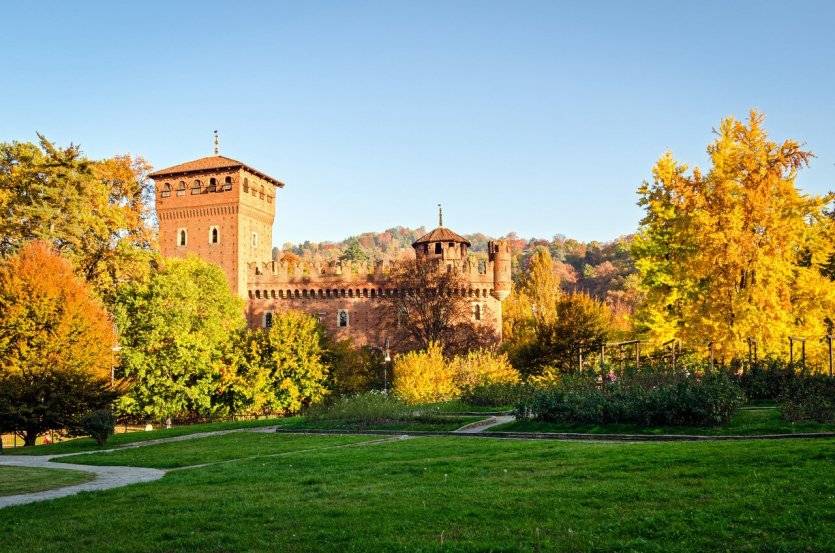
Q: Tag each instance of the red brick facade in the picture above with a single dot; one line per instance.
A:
(223, 210)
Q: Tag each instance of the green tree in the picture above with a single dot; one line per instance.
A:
(56, 344)
(737, 252)
(353, 251)
(175, 331)
(95, 213)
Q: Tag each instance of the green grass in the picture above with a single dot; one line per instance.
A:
(212, 449)
(433, 422)
(450, 494)
(747, 422)
(16, 480)
(88, 444)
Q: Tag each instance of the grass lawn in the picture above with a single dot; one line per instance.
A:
(433, 422)
(15, 480)
(88, 444)
(449, 494)
(747, 422)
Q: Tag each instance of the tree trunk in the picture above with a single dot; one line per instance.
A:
(30, 437)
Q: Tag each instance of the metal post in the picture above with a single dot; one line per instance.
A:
(791, 351)
(803, 353)
(829, 339)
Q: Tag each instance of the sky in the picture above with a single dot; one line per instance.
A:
(539, 118)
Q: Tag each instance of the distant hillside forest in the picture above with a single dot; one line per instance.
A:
(604, 270)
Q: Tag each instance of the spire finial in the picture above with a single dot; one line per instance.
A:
(217, 144)
(440, 216)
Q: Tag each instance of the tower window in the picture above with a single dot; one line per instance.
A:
(182, 237)
(426, 248)
(181, 188)
(254, 239)
(268, 319)
(342, 318)
(227, 183)
(196, 187)
(477, 312)
(214, 235)
(261, 192)
(439, 248)
(246, 184)
(212, 184)
(166, 190)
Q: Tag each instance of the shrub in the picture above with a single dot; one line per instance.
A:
(766, 379)
(99, 424)
(424, 376)
(363, 409)
(482, 367)
(810, 397)
(493, 394)
(644, 398)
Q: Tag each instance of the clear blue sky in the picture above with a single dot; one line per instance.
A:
(541, 118)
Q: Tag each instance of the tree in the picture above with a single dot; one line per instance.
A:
(428, 306)
(56, 344)
(277, 370)
(737, 252)
(353, 251)
(292, 349)
(95, 213)
(581, 325)
(174, 331)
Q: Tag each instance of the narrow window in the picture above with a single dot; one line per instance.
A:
(246, 184)
(227, 183)
(214, 235)
(182, 238)
(212, 184)
(477, 312)
(261, 192)
(254, 239)
(268, 319)
(426, 248)
(181, 188)
(342, 318)
(166, 190)
(439, 248)
(196, 187)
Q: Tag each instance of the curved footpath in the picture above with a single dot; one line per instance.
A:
(106, 477)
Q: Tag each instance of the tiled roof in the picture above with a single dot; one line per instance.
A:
(211, 163)
(441, 234)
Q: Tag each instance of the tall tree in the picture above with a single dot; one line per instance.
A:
(737, 252)
(174, 332)
(95, 213)
(429, 305)
(56, 344)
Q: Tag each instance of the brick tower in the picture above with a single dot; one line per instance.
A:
(219, 209)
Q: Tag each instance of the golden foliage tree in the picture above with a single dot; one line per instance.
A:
(95, 213)
(737, 252)
(53, 332)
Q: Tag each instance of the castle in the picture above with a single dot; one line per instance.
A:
(222, 210)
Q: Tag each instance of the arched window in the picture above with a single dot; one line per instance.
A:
(182, 237)
(181, 188)
(212, 184)
(214, 235)
(477, 312)
(342, 318)
(246, 184)
(261, 192)
(227, 183)
(166, 190)
(196, 187)
(268, 319)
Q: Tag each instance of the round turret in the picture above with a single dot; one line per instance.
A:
(499, 255)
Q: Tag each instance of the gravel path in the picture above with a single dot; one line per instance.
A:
(106, 477)
(482, 425)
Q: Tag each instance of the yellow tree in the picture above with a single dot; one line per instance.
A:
(737, 252)
(56, 344)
